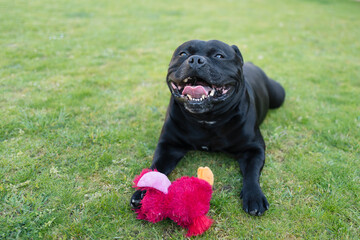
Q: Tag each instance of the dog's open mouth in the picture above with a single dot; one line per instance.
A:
(195, 89)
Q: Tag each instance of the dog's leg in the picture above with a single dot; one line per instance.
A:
(251, 163)
(135, 201)
(254, 201)
(166, 157)
(165, 160)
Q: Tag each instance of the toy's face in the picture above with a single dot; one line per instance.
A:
(152, 205)
(149, 181)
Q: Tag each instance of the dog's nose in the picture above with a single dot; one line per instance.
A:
(196, 61)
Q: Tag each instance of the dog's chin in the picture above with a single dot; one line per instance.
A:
(198, 96)
(198, 108)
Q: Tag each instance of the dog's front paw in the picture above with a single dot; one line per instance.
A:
(136, 198)
(254, 201)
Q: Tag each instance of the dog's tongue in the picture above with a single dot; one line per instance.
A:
(195, 91)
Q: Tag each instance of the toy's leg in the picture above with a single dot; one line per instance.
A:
(199, 226)
(206, 174)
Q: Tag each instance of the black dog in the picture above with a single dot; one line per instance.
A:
(217, 104)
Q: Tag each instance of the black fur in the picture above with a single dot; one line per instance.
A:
(228, 123)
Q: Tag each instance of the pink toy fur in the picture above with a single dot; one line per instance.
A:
(186, 202)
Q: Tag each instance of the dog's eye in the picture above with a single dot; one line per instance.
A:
(182, 54)
(219, 55)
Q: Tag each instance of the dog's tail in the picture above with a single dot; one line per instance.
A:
(276, 93)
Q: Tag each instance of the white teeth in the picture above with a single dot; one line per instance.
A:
(197, 99)
(212, 92)
(186, 80)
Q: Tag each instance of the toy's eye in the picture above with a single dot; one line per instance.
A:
(182, 54)
(219, 55)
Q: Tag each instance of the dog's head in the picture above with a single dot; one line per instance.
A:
(204, 76)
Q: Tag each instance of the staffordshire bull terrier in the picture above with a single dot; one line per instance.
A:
(217, 104)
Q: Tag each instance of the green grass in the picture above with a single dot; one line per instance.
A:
(83, 99)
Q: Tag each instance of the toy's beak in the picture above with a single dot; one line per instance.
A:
(155, 180)
(206, 174)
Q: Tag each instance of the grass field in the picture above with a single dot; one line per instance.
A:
(83, 99)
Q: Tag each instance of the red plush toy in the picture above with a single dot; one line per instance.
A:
(186, 201)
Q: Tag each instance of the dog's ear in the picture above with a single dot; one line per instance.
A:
(237, 51)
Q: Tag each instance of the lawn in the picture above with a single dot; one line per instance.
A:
(83, 98)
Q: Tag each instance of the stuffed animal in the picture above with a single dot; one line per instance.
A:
(186, 201)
